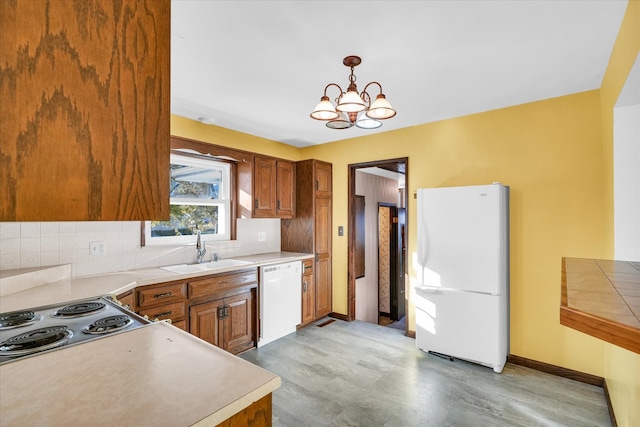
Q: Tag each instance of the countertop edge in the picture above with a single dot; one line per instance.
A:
(240, 404)
(608, 330)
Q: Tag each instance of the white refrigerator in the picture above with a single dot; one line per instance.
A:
(462, 296)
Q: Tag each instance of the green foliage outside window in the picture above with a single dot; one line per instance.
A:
(185, 220)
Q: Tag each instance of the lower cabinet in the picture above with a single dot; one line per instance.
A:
(220, 309)
(308, 294)
(226, 323)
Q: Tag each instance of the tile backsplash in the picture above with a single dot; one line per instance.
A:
(35, 244)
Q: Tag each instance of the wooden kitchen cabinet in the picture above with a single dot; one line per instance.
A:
(271, 187)
(220, 308)
(310, 230)
(85, 110)
(126, 299)
(223, 310)
(165, 301)
(285, 189)
(308, 293)
(226, 323)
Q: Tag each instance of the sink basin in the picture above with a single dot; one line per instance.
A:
(205, 266)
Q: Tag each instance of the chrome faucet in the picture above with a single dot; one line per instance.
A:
(216, 256)
(200, 248)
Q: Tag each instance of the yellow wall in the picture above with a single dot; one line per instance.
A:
(621, 367)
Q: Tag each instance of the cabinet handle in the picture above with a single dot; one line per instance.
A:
(317, 257)
(278, 204)
(317, 185)
(163, 295)
(223, 312)
(304, 286)
(166, 313)
(255, 203)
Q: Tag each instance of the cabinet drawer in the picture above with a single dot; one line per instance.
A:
(152, 295)
(165, 311)
(307, 267)
(220, 283)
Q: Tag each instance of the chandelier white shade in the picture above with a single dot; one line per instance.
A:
(325, 110)
(352, 107)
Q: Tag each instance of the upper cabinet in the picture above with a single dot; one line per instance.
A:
(85, 110)
(323, 184)
(271, 187)
(285, 189)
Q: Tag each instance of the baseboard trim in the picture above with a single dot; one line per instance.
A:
(612, 415)
(556, 370)
(411, 334)
(567, 373)
(339, 316)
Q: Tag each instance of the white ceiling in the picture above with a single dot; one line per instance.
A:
(260, 67)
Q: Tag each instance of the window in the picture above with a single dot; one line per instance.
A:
(199, 199)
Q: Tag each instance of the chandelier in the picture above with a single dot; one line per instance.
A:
(353, 107)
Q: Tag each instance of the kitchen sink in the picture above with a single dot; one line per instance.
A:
(205, 266)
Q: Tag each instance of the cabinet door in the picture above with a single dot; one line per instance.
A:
(323, 286)
(238, 325)
(322, 226)
(323, 185)
(286, 189)
(308, 299)
(322, 268)
(205, 321)
(264, 187)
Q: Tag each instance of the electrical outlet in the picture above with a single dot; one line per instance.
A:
(262, 236)
(97, 248)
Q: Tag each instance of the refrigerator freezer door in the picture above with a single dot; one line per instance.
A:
(464, 325)
(461, 233)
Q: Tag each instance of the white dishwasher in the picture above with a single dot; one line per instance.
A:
(280, 300)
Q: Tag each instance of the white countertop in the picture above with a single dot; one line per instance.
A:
(75, 288)
(156, 375)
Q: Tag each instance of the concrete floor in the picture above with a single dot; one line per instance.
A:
(361, 374)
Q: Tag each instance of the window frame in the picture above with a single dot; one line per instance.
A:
(227, 202)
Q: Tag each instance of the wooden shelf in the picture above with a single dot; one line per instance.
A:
(602, 298)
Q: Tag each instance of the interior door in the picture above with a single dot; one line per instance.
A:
(401, 249)
(394, 295)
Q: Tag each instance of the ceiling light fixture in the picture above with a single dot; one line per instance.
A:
(353, 107)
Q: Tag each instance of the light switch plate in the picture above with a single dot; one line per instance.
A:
(340, 230)
(262, 236)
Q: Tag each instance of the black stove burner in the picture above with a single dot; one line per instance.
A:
(79, 309)
(36, 340)
(106, 325)
(17, 319)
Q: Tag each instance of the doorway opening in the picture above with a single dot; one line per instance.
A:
(376, 289)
